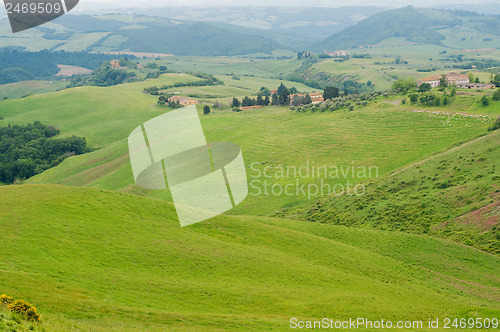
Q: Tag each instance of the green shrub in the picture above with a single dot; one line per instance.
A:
(496, 95)
(496, 125)
(5, 299)
(26, 309)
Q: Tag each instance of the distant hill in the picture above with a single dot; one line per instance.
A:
(422, 26)
(200, 39)
(139, 33)
(311, 24)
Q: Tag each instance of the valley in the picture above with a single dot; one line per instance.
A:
(93, 251)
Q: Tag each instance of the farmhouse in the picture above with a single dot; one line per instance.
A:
(338, 54)
(115, 63)
(316, 97)
(184, 101)
(451, 78)
(476, 86)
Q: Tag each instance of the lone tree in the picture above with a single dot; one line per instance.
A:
(308, 99)
(236, 102)
(206, 109)
(485, 101)
(275, 98)
(330, 92)
(260, 100)
(283, 94)
(413, 98)
(443, 82)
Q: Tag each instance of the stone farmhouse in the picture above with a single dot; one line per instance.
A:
(184, 101)
(451, 78)
(316, 97)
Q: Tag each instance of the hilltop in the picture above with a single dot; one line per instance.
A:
(455, 29)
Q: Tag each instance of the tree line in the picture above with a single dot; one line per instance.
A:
(29, 150)
(16, 66)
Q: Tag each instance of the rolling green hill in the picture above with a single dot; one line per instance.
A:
(200, 39)
(380, 135)
(422, 26)
(104, 261)
(453, 195)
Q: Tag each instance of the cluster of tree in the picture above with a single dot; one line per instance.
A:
(428, 99)
(282, 95)
(207, 80)
(303, 54)
(344, 101)
(478, 64)
(298, 100)
(485, 101)
(29, 150)
(404, 85)
(126, 63)
(105, 75)
(495, 80)
(331, 92)
(496, 125)
(18, 65)
(247, 101)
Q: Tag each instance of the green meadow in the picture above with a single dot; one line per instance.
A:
(93, 260)
(23, 89)
(381, 135)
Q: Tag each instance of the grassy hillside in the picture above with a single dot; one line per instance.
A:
(453, 195)
(104, 261)
(22, 89)
(422, 26)
(200, 39)
(381, 135)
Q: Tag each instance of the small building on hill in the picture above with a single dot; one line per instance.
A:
(338, 54)
(316, 97)
(451, 79)
(184, 101)
(115, 63)
(476, 86)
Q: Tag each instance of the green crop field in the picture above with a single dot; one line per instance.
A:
(22, 89)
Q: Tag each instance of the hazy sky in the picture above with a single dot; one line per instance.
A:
(87, 4)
